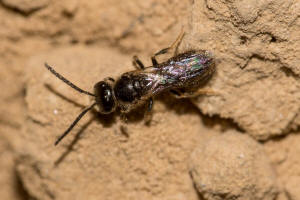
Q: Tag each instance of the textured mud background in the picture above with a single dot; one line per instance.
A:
(243, 143)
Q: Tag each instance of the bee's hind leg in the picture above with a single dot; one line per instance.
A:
(174, 47)
(138, 63)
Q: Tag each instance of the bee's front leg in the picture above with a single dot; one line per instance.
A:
(138, 63)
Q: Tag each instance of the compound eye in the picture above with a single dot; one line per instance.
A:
(104, 97)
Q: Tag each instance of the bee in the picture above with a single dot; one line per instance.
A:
(182, 75)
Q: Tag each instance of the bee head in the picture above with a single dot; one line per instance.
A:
(105, 97)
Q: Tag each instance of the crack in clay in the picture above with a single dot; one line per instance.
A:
(199, 195)
(289, 72)
(11, 124)
(38, 122)
(133, 23)
(22, 190)
(19, 11)
(259, 57)
(289, 127)
(217, 119)
(273, 38)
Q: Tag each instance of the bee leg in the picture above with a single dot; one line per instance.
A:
(176, 93)
(109, 79)
(207, 92)
(148, 114)
(137, 63)
(123, 117)
(154, 61)
(124, 131)
(150, 105)
(174, 47)
(163, 51)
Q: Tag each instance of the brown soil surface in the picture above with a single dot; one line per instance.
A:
(242, 143)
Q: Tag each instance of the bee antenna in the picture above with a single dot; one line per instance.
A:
(74, 123)
(67, 81)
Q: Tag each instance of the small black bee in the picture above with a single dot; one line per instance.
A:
(181, 75)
